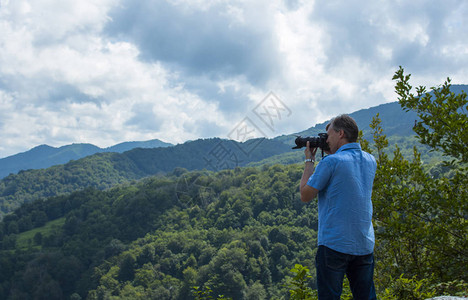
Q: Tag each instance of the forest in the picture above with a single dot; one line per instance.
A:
(243, 233)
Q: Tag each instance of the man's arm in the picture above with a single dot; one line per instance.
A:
(307, 192)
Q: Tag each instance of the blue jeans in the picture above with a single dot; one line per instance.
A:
(331, 267)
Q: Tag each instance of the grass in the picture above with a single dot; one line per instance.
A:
(25, 239)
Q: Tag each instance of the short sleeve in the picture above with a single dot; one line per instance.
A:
(320, 178)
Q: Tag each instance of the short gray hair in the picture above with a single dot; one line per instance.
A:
(347, 124)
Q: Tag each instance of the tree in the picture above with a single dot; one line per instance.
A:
(256, 291)
(299, 284)
(421, 222)
(443, 116)
(127, 271)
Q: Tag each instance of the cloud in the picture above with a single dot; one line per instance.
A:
(144, 117)
(110, 71)
(217, 40)
(75, 86)
(221, 50)
(409, 33)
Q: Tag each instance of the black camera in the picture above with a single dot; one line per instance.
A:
(319, 141)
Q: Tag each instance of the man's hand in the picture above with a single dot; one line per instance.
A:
(310, 153)
(307, 192)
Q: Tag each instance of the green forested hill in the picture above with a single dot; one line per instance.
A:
(104, 170)
(45, 156)
(234, 232)
(238, 231)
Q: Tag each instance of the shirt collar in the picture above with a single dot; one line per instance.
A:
(349, 146)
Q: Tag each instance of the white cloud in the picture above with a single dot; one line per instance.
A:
(108, 71)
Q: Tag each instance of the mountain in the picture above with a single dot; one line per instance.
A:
(104, 170)
(395, 121)
(397, 125)
(126, 146)
(45, 156)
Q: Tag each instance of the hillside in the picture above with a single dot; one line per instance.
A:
(45, 156)
(396, 121)
(247, 223)
(233, 232)
(104, 170)
(398, 125)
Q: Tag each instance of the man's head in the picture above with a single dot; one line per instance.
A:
(341, 130)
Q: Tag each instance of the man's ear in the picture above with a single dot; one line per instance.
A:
(342, 134)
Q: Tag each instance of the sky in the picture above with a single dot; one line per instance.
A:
(109, 71)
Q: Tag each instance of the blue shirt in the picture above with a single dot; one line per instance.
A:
(344, 180)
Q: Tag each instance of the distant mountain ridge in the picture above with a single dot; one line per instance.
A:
(45, 156)
(395, 121)
(104, 170)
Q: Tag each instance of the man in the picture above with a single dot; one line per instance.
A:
(343, 182)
